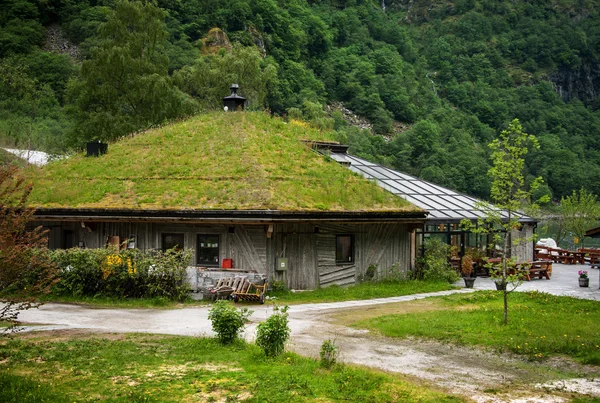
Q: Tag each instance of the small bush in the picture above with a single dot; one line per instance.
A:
(278, 286)
(371, 272)
(329, 353)
(435, 263)
(272, 334)
(228, 321)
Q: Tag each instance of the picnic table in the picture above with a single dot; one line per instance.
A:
(591, 256)
(536, 269)
(539, 268)
(566, 256)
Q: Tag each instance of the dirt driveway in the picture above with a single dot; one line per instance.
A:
(480, 375)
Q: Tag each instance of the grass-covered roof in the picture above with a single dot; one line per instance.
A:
(217, 161)
(7, 158)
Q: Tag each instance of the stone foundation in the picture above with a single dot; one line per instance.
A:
(201, 280)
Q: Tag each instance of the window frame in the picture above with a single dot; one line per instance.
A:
(208, 264)
(352, 249)
(163, 235)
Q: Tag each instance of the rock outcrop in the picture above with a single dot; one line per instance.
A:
(582, 83)
(215, 40)
(57, 42)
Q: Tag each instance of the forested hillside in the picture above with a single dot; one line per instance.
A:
(436, 80)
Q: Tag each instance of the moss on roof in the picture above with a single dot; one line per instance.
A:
(217, 161)
(7, 158)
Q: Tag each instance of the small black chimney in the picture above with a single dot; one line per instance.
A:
(234, 102)
(96, 148)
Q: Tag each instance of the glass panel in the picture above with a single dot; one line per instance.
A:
(385, 173)
(418, 202)
(170, 241)
(344, 248)
(398, 186)
(360, 171)
(207, 250)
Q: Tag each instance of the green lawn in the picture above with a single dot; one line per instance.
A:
(106, 302)
(361, 291)
(539, 325)
(142, 368)
(328, 294)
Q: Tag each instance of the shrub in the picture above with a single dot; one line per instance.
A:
(227, 321)
(128, 273)
(435, 262)
(329, 353)
(166, 275)
(272, 334)
(278, 286)
(371, 272)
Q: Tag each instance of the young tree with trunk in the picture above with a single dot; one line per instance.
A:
(510, 199)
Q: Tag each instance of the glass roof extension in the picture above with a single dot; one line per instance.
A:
(444, 205)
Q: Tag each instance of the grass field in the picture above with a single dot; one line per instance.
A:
(141, 368)
(329, 294)
(540, 325)
(133, 303)
(361, 291)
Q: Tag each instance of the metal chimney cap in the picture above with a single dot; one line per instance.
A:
(234, 95)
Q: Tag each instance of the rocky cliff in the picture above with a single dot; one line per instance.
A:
(582, 83)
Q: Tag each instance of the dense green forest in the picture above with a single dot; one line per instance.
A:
(435, 80)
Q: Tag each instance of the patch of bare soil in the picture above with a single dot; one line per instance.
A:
(475, 373)
(352, 315)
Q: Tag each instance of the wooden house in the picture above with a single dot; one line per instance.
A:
(241, 189)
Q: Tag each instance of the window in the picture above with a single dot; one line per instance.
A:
(207, 250)
(344, 248)
(170, 241)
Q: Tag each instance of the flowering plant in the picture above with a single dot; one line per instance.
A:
(583, 274)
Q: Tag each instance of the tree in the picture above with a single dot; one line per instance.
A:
(25, 267)
(578, 213)
(125, 85)
(510, 198)
(212, 75)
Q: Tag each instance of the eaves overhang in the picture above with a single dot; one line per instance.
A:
(227, 216)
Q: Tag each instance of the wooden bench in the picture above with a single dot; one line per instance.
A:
(539, 268)
(566, 256)
(591, 256)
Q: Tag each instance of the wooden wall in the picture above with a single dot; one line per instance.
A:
(522, 243)
(309, 248)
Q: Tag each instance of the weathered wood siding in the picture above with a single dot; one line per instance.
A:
(297, 243)
(523, 249)
(311, 252)
(246, 245)
(309, 248)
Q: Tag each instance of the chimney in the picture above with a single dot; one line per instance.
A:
(233, 102)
